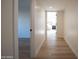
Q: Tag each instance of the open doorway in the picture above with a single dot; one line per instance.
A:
(51, 24)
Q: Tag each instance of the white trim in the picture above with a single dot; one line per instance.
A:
(46, 22)
(37, 51)
(70, 47)
(46, 25)
(60, 35)
(15, 25)
(32, 53)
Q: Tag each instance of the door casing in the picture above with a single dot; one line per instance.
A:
(46, 22)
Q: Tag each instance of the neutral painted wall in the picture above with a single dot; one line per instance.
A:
(60, 24)
(7, 28)
(71, 25)
(39, 29)
(24, 19)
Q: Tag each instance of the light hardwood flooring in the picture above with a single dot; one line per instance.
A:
(55, 48)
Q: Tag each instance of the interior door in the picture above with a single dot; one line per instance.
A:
(24, 30)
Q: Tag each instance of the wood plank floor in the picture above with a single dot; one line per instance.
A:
(55, 48)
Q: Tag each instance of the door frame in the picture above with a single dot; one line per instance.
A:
(46, 22)
(15, 29)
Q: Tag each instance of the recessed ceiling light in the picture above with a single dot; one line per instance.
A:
(50, 7)
(37, 7)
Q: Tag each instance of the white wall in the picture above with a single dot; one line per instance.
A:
(39, 29)
(9, 37)
(71, 29)
(60, 24)
(7, 28)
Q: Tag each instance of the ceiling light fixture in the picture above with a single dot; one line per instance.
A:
(37, 7)
(50, 7)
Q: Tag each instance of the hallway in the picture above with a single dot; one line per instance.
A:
(20, 17)
(55, 48)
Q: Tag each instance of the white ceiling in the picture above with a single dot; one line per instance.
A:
(56, 4)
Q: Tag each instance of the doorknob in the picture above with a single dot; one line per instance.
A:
(30, 30)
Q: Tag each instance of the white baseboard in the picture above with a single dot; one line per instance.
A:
(71, 47)
(38, 49)
(60, 36)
